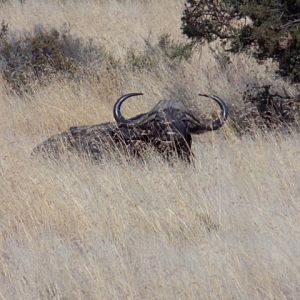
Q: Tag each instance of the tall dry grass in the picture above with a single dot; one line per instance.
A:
(226, 228)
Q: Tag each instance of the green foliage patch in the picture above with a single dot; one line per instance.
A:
(266, 28)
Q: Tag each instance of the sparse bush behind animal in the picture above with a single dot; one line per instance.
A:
(267, 109)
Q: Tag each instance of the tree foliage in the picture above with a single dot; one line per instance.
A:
(268, 28)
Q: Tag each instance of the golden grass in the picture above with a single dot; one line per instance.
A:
(227, 228)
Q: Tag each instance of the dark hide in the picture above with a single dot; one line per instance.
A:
(166, 128)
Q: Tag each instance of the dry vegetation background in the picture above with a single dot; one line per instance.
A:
(227, 228)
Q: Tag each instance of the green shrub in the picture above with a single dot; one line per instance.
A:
(266, 28)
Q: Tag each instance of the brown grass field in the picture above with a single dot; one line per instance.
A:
(226, 228)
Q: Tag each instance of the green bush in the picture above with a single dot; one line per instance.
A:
(266, 28)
